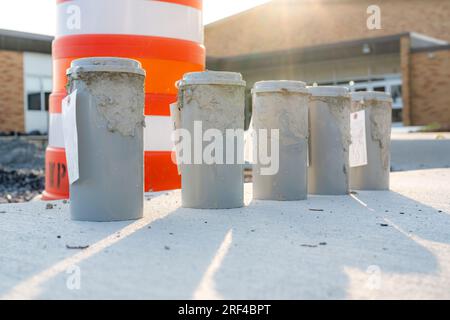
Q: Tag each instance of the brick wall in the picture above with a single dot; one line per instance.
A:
(430, 87)
(300, 23)
(405, 66)
(11, 91)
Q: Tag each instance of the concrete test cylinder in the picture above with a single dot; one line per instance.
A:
(110, 121)
(165, 36)
(378, 118)
(283, 106)
(213, 100)
(329, 114)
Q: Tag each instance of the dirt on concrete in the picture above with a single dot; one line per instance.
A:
(21, 169)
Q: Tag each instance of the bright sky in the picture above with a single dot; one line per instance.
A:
(38, 16)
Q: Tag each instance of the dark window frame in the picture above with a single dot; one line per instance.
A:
(33, 102)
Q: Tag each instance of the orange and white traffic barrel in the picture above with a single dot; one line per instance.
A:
(166, 36)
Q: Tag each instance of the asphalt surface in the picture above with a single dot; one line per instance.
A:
(412, 151)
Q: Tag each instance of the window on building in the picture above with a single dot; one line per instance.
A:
(38, 93)
(396, 115)
(47, 101)
(34, 101)
(396, 93)
(379, 89)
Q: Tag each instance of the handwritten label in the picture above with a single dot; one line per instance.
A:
(70, 132)
(358, 147)
(176, 125)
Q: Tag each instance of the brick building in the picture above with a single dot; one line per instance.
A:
(329, 42)
(322, 41)
(25, 81)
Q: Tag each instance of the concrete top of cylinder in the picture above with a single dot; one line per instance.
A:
(371, 95)
(105, 64)
(328, 91)
(211, 77)
(280, 86)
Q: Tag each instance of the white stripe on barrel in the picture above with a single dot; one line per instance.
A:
(157, 133)
(55, 132)
(130, 17)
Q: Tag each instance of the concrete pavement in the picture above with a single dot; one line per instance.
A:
(367, 245)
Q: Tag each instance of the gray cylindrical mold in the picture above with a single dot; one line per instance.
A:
(281, 105)
(329, 114)
(217, 101)
(378, 112)
(109, 106)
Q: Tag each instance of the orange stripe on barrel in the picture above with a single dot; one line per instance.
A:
(55, 102)
(160, 172)
(158, 104)
(155, 104)
(190, 3)
(161, 74)
(56, 176)
(128, 46)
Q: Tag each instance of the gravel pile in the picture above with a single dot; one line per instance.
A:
(19, 153)
(21, 169)
(20, 185)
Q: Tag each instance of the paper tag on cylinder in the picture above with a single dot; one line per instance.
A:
(70, 133)
(358, 147)
(176, 123)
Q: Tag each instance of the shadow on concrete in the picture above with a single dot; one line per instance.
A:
(324, 247)
(285, 257)
(164, 255)
(269, 250)
(33, 239)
